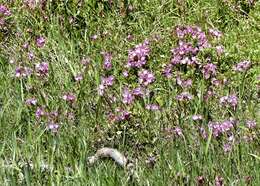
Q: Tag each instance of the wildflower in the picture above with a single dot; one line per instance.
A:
(152, 107)
(4, 11)
(78, 77)
(40, 42)
(184, 83)
(178, 131)
(105, 83)
(219, 128)
(167, 71)
(42, 68)
(22, 72)
(227, 147)
(40, 112)
(145, 77)
(130, 37)
(231, 100)
(242, 66)
(137, 57)
(215, 33)
(215, 82)
(219, 181)
(139, 91)
(125, 73)
(197, 117)
(107, 64)
(209, 70)
(69, 97)
(94, 37)
(85, 61)
(121, 115)
(128, 97)
(184, 96)
(219, 49)
(31, 101)
(108, 81)
(251, 124)
(203, 133)
(200, 180)
(31, 55)
(53, 127)
(26, 45)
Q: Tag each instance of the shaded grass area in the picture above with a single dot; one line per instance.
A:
(180, 160)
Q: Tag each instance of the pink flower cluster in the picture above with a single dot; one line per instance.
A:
(230, 100)
(219, 128)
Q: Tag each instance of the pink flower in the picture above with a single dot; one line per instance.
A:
(53, 127)
(40, 112)
(209, 70)
(197, 117)
(227, 147)
(242, 66)
(31, 101)
(145, 77)
(78, 77)
(107, 64)
(128, 97)
(22, 72)
(230, 100)
(184, 96)
(40, 42)
(251, 124)
(42, 69)
(152, 107)
(4, 11)
(69, 97)
(220, 49)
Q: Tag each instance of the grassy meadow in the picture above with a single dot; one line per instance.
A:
(174, 85)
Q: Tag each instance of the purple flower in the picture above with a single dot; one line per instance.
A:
(197, 117)
(227, 147)
(219, 49)
(40, 42)
(94, 37)
(108, 81)
(121, 115)
(40, 112)
(145, 77)
(230, 100)
(251, 124)
(69, 97)
(4, 10)
(184, 96)
(53, 127)
(152, 107)
(42, 69)
(105, 83)
(107, 64)
(178, 131)
(130, 37)
(215, 33)
(209, 70)
(242, 66)
(203, 133)
(128, 97)
(78, 77)
(184, 83)
(85, 61)
(219, 128)
(139, 91)
(22, 72)
(31, 55)
(137, 57)
(167, 71)
(125, 73)
(31, 101)
(219, 181)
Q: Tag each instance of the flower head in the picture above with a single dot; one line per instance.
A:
(145, 77)
(230, 100)
(69, 97)
(209, 70)
(31, 101)
(137, 57)
(128, 97)
(251, 124)
(107, 64)
(242, 66)
(40, 42)
(184, 96)
(42, 69)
